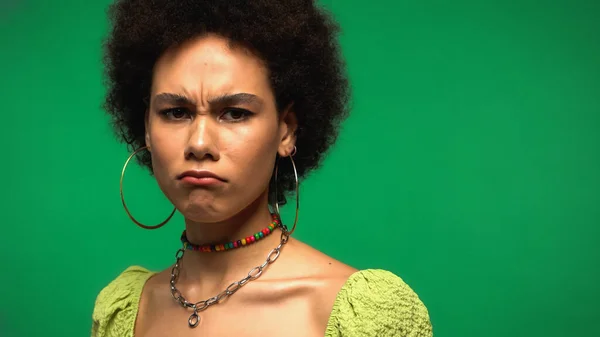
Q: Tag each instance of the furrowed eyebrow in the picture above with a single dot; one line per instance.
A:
(235, 99)
(226, 99)
(172, 99)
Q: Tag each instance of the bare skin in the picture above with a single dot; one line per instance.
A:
(212, 109)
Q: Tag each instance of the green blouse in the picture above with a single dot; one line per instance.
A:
(372, 302)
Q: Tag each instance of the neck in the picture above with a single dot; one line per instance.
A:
(212, 270)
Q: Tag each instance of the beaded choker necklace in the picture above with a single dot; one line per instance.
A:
(232, 244)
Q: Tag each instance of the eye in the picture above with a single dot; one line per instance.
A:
(235, 114)
(175, 113)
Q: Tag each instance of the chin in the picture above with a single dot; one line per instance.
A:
(197, 211)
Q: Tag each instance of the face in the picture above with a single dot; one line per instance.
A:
(213, 129)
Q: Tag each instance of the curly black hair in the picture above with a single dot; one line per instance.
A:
(296, 39)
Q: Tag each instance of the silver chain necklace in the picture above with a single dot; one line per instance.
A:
(253, 274)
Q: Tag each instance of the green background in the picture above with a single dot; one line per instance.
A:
(469, 166)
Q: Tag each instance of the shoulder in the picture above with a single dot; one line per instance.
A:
(376, 302)
(116, 304)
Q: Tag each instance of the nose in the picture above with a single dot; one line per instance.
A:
(202, 141)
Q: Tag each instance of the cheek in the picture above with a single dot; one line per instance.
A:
(167, 142)
(161, 171)
(165, 148)
(159, 162)
(255, 159)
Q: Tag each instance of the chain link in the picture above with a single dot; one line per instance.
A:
(253, 274)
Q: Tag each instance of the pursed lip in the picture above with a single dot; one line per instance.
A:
(199, 174)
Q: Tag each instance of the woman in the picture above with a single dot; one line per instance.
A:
(228, 103)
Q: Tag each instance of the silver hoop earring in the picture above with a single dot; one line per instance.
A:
(287, 232)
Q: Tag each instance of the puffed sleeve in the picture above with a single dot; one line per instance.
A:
(378, 303)
(116, 305)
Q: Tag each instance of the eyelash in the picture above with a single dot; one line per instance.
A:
(168, 113)
(245, 114)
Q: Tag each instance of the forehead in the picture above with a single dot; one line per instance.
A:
(210, 65)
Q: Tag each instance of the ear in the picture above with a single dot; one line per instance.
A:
(147, 133)
(288, 124)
